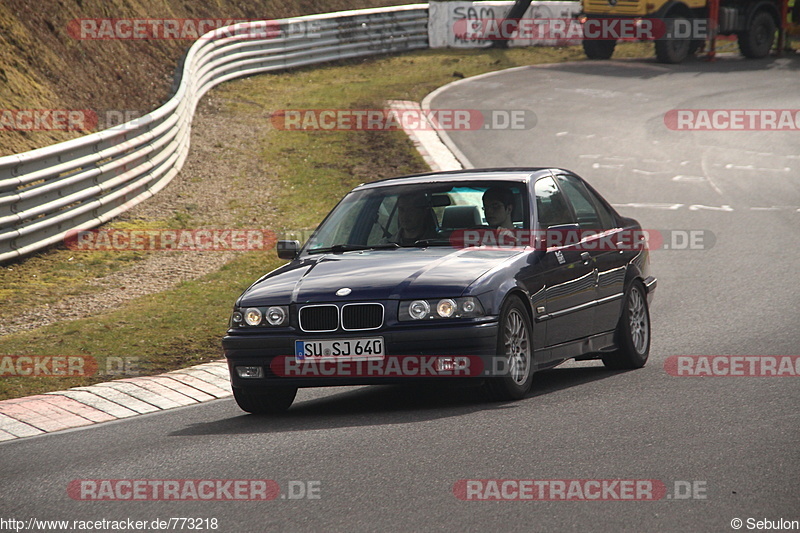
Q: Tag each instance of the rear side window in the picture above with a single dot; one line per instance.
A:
(589, 210)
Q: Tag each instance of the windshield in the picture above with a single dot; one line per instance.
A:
(419, 215)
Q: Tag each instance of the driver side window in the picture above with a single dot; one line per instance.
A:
(385, 224)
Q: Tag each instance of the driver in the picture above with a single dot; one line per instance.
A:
(415, 218)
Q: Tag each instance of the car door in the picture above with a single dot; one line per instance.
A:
(568, 272)
(601, 236)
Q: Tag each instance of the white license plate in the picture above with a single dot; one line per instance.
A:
(352, 349)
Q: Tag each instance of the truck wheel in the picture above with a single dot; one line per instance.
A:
(596, 49)
(672, 50)
(756, 42)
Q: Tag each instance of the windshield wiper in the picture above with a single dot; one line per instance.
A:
(341, 248)
(422, 243)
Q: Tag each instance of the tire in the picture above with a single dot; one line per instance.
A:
(757, 41)
(695, 46)
(275, 400)
(633, 332)
(669, 50)
(515, 344)
(595, 49)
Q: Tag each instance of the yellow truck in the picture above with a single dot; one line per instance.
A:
(683, 27)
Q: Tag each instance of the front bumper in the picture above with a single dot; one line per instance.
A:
(245, 348)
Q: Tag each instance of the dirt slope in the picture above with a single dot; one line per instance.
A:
(42, 66)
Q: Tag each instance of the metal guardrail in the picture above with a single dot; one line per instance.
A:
(47, 193)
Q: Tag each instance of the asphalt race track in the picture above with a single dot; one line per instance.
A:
(372, 458)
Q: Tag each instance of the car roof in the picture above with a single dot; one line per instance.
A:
(523, 174)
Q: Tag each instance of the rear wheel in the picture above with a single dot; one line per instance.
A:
(275, 400)
(596, 49)
(515, 346)
(757, 41)
(633, 332)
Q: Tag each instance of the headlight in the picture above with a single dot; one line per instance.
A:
(252, 316)
(419, 309)
(276, 315)
(446, 308)
(466, 307)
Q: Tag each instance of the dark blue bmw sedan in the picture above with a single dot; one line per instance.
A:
(488, 274)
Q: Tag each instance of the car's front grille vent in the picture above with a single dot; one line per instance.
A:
(354, 317)
(362, 316)
(319, 318)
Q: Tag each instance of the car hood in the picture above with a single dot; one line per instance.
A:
(376, 275)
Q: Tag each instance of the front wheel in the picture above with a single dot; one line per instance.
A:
(515, 347)
(271, 401)
(633, 332)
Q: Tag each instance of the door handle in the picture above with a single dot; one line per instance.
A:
(586, 257)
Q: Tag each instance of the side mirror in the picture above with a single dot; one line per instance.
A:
(288, 249)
